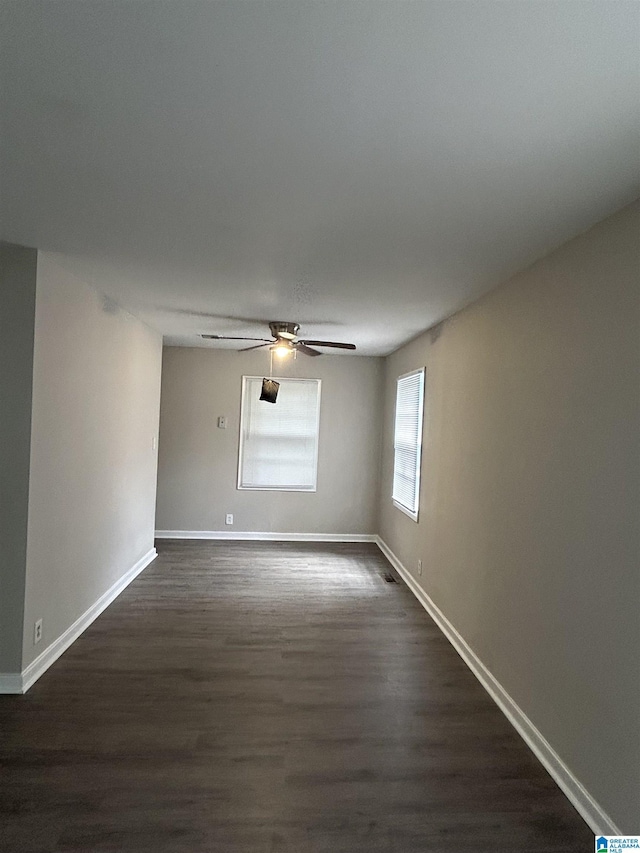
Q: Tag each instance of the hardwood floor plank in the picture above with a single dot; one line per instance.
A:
(269, 697)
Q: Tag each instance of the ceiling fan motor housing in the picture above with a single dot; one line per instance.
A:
(289, 331)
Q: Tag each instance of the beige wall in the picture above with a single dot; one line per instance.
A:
(530, 497)
(96, 387)
(198, 462)
(17, 309)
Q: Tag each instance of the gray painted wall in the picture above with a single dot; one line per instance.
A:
(17, 312)
(530, 496)
(96, 390)
(198, 462)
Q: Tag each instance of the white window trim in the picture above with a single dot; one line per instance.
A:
(307, 489)
(402, 508)
(412, 515)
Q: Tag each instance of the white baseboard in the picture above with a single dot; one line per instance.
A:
(20, 683)
(265, 537)
(593, 814)
(10, 682)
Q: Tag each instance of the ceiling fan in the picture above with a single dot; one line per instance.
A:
(284, 341)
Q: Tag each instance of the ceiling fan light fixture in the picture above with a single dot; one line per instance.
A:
(282, 349)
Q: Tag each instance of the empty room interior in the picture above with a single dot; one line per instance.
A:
(319, 426)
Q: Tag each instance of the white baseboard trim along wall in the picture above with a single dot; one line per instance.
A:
(266, 537)
(21, 682)
(10, 682)
(592, 813)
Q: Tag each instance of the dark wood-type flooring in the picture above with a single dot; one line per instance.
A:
(269, 697)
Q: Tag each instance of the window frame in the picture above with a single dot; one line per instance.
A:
(288, 488)
(413, 514)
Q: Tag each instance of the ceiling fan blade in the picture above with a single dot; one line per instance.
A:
(306, 350)
(230, 338)
(257, 346)
(328, 344)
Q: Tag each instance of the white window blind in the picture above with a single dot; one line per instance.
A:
(279, 441)
(407, 442)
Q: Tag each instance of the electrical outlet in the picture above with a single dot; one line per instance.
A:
(228, 519)
(37, 632)
(222, 422)
(419, 567)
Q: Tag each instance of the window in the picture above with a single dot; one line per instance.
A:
(279, 442)
(407, 442)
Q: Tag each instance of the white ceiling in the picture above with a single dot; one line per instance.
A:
(364, 168)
